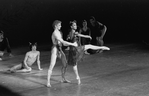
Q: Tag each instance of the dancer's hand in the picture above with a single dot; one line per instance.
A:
(75, 44)
(90, 37)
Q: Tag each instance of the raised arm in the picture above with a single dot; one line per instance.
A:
(81, 35)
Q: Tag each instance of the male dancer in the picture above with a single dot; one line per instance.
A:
(57, 41)
(29, 60)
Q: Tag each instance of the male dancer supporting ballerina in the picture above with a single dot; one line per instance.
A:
(57, 41)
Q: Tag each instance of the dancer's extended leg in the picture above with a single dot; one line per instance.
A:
(89, 46)
(15, 68)
(24, 70)
(52, 64)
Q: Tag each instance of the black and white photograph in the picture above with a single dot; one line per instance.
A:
(74, 48)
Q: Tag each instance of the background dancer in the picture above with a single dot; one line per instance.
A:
(29, 60)
(4, 44)
(85, 30)
(56, 51)
(98, 30)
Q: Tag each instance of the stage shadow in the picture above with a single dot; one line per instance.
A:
(7, 92)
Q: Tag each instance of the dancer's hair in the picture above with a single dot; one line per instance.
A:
(1, 32)
(71, 22)
(55, 23)
(32, 44)
(92, 17)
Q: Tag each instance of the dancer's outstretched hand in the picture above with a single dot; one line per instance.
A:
(90, 37)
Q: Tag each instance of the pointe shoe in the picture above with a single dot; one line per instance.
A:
(79, 81)
(48, 85)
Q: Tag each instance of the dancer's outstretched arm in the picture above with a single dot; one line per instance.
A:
(85, 36)
(89, 46)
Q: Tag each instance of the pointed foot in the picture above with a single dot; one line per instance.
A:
(48, 85)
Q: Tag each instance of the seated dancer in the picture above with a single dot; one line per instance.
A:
(29, 60)
(4, 44)
(56, 51)
(76, 53)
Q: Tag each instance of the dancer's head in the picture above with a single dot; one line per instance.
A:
(1, 32)
(57, 24)
(92, 20)
(33, 46)
(84, 23)
(73, 24)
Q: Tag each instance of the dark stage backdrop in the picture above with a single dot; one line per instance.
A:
(31, 20)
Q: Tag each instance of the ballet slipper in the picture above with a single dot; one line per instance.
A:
(48, 85)
(79, 81)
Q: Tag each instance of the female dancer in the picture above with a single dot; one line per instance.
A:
(76, 53)
(85, 30)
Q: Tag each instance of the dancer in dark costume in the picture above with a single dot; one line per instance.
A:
(85, 30)
(99, 30)
(56, 51)
(76, 53)
(4, 44)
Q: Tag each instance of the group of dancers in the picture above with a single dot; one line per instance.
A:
(75, 52)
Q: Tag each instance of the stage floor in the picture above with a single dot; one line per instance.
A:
(122, 71)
